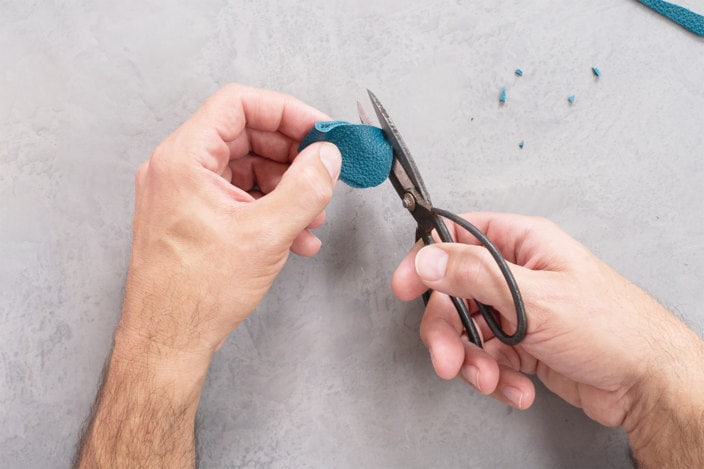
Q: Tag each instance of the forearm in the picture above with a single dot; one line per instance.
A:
(675, 439)
(145, 411)
(668, 425)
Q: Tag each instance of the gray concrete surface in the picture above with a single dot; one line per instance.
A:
(329, 371)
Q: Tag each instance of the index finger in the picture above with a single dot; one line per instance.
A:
(518, 237)
(227, 120)
(235, 106)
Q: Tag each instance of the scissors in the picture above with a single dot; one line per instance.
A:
(405, 178)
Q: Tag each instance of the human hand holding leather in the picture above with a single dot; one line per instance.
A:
(218, 207)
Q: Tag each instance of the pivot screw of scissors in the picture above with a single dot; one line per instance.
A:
(409, 201)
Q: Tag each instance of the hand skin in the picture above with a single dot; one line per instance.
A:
(594, 338)
(219, 205)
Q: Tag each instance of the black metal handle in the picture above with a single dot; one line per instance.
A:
(487, 311)
(459, 303)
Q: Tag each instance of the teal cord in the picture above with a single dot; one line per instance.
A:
(686, 18)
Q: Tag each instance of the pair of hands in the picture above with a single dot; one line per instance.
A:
(225, 198)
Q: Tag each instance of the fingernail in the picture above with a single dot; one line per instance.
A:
(431, 263)
(513, 395)
(331, 158)
(471, 374)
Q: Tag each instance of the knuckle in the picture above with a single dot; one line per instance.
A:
(226, 92)
(544, 223)
(318, 189)
(159, 157)
(473, 265)
(165, 159)
(231, 88)
(141, 172)
(324, 193)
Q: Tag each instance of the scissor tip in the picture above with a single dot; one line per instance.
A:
(363, 114)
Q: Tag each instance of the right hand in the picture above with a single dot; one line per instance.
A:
(594, 338)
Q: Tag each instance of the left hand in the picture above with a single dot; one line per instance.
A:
(218, 207)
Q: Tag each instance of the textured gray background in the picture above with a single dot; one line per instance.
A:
(329, 371)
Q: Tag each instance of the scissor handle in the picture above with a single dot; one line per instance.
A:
(486, 311)
(459, 303)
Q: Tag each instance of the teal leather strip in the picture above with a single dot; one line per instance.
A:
(366, 155)
(686, 18)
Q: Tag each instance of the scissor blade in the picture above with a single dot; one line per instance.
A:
(363, 117)
(397, 176)
(404, 168)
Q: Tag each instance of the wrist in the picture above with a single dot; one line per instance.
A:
(666, 421)
(178, 374)
(166, 319)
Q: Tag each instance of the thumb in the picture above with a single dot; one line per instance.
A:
(468, 271)
(305, 189)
